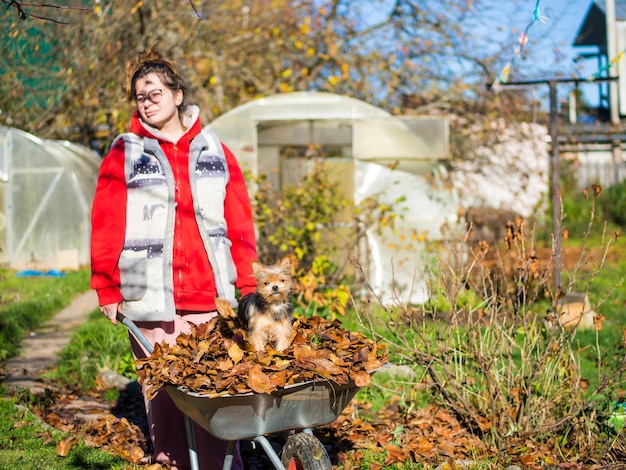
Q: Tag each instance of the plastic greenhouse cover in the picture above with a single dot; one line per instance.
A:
(396, 256)
(45, 200)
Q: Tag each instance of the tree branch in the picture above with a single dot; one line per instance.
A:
(24, 15)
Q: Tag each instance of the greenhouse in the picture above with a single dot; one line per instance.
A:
(46, 190)
(373, 154)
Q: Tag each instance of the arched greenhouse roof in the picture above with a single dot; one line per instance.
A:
(373, 134)
(305, 105)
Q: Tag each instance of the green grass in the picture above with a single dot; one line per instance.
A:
(96, 345)
(26, 444)
(27, 302)
(605, 345)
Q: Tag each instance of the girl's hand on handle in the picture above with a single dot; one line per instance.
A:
(111, 310)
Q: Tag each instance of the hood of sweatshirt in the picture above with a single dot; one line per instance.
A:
(190, 120)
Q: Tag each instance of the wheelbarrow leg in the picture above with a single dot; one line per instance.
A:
(228, 459)
(269, 450)
(191, 443)
(193, 453)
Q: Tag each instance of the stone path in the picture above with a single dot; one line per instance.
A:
(40, 349)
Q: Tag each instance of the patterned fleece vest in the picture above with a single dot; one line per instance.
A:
(146, 261)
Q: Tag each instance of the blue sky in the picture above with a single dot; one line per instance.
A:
(497, 25)
(549, 52)
(556, 35)
(564, 19)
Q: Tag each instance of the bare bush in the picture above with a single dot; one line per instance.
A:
(489, 345)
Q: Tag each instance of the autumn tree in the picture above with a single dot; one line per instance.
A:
(63, 74)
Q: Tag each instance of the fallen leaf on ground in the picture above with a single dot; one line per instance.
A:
(65, 446)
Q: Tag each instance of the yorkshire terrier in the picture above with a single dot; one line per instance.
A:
(267, 313)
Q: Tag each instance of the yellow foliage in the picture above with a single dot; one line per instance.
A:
(136, 7)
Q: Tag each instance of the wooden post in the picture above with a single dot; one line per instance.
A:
(555, 184)
(555, 162)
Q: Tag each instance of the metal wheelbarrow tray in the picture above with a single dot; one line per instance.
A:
(251, 416)
(245, 416)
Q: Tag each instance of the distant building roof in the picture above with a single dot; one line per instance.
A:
(592, 32)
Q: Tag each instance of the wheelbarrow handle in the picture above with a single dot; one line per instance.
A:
(134, 329)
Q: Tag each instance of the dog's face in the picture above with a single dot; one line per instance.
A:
(274, 282)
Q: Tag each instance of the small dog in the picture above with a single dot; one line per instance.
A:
(268, 313)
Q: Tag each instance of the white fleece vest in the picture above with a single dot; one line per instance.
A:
(146, 261)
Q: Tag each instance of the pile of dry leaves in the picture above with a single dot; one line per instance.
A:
(429, 435)
(119, 428)
(215, 359)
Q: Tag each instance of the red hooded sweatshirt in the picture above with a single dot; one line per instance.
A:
(194, 283)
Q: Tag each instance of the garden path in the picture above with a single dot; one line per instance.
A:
(40, 349)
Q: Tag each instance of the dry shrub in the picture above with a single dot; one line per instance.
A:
(488, 345)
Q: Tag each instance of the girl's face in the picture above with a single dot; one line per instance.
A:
(157, 104)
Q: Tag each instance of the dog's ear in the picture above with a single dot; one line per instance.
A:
(285, 264)
(256, 267)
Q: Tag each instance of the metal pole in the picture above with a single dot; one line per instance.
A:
(134, 329)
(614, 105)
(555, 161)
(555, 184)
(269, 450)
(611, 51)
(191, 443)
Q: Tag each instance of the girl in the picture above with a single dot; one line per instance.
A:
(172, 229)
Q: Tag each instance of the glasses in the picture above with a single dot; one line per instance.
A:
(153, 96)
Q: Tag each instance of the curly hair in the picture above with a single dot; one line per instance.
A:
(151, 61)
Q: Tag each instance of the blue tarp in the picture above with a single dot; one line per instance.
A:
(33, 273)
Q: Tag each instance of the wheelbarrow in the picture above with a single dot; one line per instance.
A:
(252, 416)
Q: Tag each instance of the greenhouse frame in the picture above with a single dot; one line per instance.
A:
(46, 191)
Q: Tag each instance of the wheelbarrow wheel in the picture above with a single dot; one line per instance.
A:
(303, 451)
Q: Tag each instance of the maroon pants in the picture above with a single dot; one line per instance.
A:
(166, 421)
